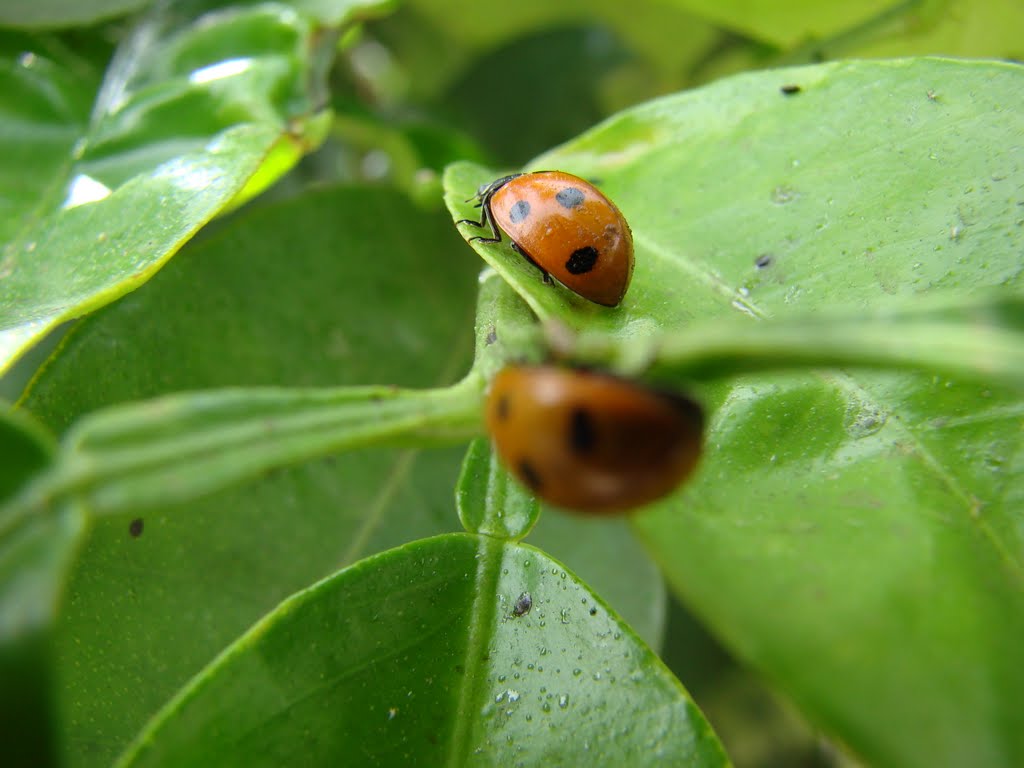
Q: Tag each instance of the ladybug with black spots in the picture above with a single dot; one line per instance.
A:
(589, 441)
(565, 227)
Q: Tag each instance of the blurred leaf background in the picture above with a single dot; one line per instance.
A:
(316, 252)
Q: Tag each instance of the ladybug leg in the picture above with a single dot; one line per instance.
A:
(482, 223)
(485, 221)
(543, 272)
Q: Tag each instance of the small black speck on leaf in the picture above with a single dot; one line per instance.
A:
(135, 527)
(764, 260)
(522, 605)
(790, 89)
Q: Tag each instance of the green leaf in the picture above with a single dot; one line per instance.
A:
(980, 338)
(784, 23)
(33, 556)
(922, 27)
(558, 71)
(224, 313)
(35, 550)
(756, 191)
(45, 99)
(606, 554)
(344, 12)
(854, 535)
(489, 500)
(244, 308)
(63, 13)
(448, 55)
(183, 446)
(25, 449)
(191, 118)
(810, 31)
(453, 650)
(179, 448)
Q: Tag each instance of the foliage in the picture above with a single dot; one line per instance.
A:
(247, 350)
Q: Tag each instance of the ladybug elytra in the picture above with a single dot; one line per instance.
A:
(592, 442)
(565, 227)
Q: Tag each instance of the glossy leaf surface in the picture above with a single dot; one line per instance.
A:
(193, 115)
(458, 650)
(868, 521)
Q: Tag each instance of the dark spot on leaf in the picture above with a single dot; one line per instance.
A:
(582, 435)
(570, 197)
(764, 260)
(593, 611)
(529, 475)
(790, 89)
(459, 669)
(582, 260)
(135, 527)
(492, 336)
(519, 211)
(522, 605)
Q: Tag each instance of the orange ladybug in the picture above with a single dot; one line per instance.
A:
(592, 442)
(563, 226)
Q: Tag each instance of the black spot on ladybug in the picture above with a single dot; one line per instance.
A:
(570, 198)
(492, 336)
(790, 89)
(135, 527)
(519, 211)
(529, 475)
(582, 435)
(503, 408)
(764, 260)
(582, 260)
(522, 605)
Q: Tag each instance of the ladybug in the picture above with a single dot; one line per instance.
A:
(589, 441)
(563, 226)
